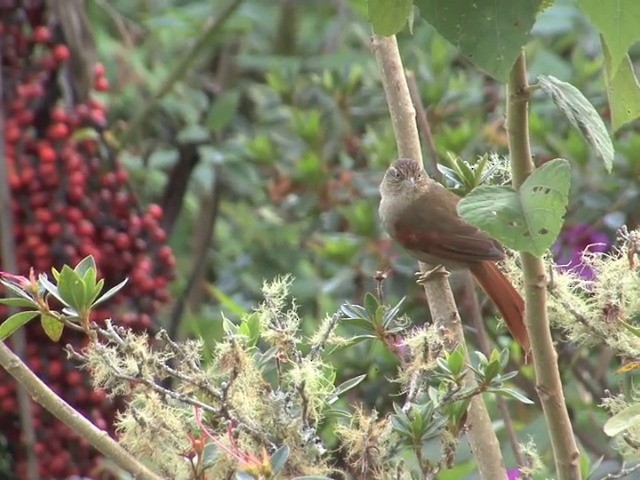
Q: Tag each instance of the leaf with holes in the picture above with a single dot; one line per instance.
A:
(528, 219)
(582, 115)
(488, 33)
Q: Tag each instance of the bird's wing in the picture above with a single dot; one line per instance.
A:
(449, 238)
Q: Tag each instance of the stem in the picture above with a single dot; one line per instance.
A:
(483, 440)
(9, 264)
(64, 412)
(179, 70)
(545, 358)
(473, 310)
(423, 125)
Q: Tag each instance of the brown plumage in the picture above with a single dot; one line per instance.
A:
(420, 214)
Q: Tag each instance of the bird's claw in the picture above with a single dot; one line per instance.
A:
(424, 277)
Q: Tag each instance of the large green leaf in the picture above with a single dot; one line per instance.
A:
(582, 115)
(388, 17)
(617, 22)
(623, 420)
(528, 219)
(15, 321)
(623, 90)
(489, 33)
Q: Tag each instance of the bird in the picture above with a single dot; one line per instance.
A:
(420, 215)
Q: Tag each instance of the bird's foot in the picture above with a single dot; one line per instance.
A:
(424, 277)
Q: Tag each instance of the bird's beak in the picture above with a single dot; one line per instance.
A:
(412, 181)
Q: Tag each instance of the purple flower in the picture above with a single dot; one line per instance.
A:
(513, 474)
(573, 242)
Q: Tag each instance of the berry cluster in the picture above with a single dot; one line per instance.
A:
(69, 200)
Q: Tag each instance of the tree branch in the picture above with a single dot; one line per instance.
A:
(42, 394)
(482, 437)
(545, 358)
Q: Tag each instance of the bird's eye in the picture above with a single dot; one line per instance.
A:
(395, 173)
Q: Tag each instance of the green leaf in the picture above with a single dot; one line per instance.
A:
(110, 293)
(16, 289)
(456, 361)
(18, 302)
(359, 323)
(71, 288)
(582, 115)
(617, 22)
(633, 329)
(52, 327)
(623, 91)
(528, 220)
(345, 386)
(489, 33)
(279, 458)
(210, 454)
(353, 311)
(371, 304)
(15, 321)
(388, 17)
(86, 264)
(623, 420)
(223, 110)
(250, 328)
(511, 393)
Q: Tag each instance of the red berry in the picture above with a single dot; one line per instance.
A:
(58, 131)
(61, 53)
(101, 84)
(42, 35)
(46, 153)
(155, 211)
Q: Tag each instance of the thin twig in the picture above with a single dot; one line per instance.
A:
(623, 472)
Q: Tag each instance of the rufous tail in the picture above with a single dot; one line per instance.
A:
(503, 294)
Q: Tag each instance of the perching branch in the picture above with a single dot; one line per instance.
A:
(484, 443)
(545, 358)
(42, 394)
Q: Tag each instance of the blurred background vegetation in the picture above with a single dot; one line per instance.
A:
(265, 140)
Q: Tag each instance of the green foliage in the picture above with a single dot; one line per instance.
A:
(623, 420)
(488, 33)
(573, 104)
(388, 17)
(78, 290)
(617, 24)
(528, 219)
(623, 90)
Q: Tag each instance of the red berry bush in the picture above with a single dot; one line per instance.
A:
(70, 199)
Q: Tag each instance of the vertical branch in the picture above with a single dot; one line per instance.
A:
(483, 440)
(468, 293)
(545, 358)
(10, 264)
(423, 125)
